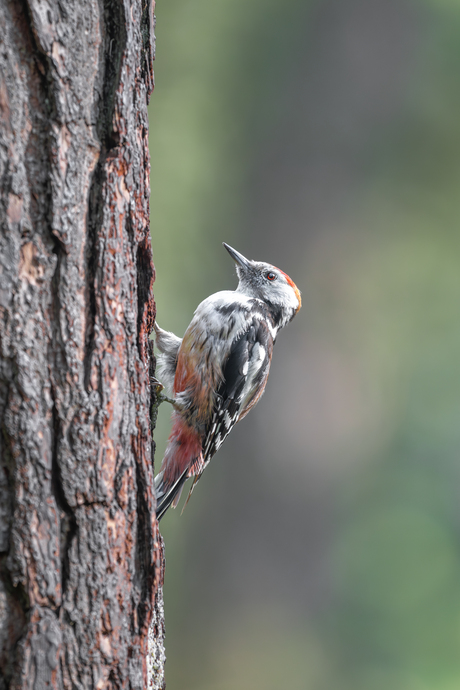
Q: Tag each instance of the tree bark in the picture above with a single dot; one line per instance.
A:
(80, 551)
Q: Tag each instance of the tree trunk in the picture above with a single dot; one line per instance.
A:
(80, 552)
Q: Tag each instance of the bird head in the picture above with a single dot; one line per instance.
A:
(267, 283)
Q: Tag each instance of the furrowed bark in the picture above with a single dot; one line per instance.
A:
(80, 552)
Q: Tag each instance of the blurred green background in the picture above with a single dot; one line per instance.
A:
(320, 550)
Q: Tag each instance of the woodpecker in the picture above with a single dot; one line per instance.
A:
(218, 371)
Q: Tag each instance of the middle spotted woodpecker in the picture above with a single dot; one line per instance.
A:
(219, 370)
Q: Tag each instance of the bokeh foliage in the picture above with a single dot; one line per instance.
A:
(321, 549)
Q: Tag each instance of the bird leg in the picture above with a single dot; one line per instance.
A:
(158, 397)
(158, 386)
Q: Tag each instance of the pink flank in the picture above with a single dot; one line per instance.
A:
(184, 447)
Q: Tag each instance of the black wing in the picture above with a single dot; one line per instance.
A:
(244, 376)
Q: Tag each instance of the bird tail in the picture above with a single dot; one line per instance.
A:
(195, 480)
(183, 459)
(167, 495)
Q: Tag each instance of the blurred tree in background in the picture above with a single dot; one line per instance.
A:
(321, 550)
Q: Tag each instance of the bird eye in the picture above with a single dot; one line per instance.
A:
(271, 276)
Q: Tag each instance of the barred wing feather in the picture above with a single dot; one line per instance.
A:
(245, 375)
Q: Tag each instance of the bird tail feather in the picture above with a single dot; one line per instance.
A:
(167, 495)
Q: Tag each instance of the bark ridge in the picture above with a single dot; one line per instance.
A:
(80, 550)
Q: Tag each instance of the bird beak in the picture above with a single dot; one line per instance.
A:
(237, 257)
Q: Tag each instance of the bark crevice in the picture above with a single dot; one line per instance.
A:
(67, 518)
(110, 60)
(78, 538)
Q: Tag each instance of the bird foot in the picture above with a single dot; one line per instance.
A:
(159, 397)
(164, 398)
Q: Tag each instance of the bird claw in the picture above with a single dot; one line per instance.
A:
(160, 397)
(156, 384)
